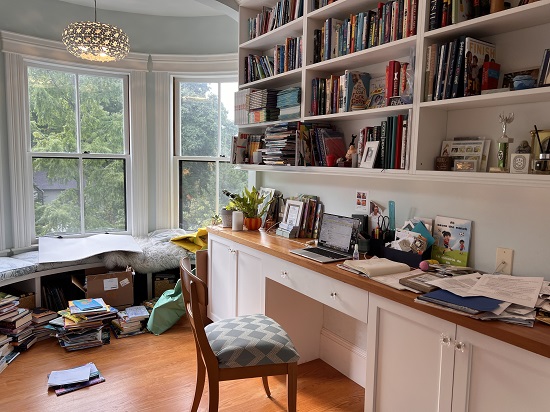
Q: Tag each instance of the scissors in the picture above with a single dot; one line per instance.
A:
(381, 227)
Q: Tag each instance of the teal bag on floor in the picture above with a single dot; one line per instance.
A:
(167, 311)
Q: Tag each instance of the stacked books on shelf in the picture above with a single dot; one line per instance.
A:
(263, 106)
(70, 380)
(462, 67)
(242, 105)
(288, 103)
(390, 21)
(271, 18)
(392, 152)
(280, 144)
(83, 324)
(131, 321)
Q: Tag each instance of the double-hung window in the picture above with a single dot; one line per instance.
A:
(78, 149)
(204, 128)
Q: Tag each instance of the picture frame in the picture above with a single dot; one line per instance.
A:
(467, 165)
(544, 71)
(369, 154)
(544, 136)
(293, 214)
(508, 78)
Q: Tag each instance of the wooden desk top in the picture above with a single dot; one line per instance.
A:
(535, 339)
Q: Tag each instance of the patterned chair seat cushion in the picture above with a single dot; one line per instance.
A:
(12, 268)
(250, 340)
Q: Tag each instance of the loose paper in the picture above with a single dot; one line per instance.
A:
(515, 289)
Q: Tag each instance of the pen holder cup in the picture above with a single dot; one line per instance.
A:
(409, 258)
(376, 247)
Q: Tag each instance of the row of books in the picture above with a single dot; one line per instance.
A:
(393, 135)
(338, 94)
(285, 57)
(390, 21)
(317, 4)
(462, 67)
(312, 215)
(54, 297)
(271, 18)
(446, 12)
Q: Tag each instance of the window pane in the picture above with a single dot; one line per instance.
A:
(101, 114)
(228, 129)
(231, 179)
(104, 195)
(56, 196)
(199, 119)
(197, 194)
(52, 110)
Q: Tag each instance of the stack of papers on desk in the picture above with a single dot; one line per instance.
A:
(377, 267)
(506, 298)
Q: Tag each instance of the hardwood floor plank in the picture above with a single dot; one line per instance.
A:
(157, 373)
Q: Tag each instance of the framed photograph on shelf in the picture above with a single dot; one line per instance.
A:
(544, 72)
(369, 154)
(293, 214)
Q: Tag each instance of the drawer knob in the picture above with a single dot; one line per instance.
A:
(460, 346)
(445, 340)
(333, 295)
(284, 274)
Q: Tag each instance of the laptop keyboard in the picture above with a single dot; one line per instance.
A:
(326, 253)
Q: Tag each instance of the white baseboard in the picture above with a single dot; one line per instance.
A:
(344, 356)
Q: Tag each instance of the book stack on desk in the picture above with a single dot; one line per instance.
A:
(287, 231)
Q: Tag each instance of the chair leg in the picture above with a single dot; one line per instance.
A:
(292, 386)
(266, 386)
(199, 385)
(213, 394)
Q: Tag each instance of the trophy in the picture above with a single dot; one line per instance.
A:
(504, 142)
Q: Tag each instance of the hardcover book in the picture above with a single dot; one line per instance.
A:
(452, 240)
(477, 52)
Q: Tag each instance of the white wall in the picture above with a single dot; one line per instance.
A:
(503, 216)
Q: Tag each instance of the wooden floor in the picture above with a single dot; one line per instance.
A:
(147, 372)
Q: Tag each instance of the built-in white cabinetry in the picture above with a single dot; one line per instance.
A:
(520, 35)
(419, 362)
(235, 280)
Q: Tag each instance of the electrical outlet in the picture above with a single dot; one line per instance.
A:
(504, 260)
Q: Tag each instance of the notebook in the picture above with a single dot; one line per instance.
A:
(337, 236)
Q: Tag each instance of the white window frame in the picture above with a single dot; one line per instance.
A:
(218, 79)
(19, 50)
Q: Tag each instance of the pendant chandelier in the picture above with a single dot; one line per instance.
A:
(96, 41)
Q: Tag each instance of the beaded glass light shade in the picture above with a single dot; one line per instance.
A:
(91, 40)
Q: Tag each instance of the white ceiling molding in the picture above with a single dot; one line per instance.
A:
(200, 65)
(34, 47)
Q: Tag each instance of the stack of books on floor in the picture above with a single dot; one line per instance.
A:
(7, 353)
(280, 144)
(69, 380)
(130, 322)
(41, 318)
(288, 103)
(15, 322)
(263, 106)
(83, 324)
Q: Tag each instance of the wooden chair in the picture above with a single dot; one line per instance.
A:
(236, 348)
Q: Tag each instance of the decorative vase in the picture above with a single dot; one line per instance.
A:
(226, 216)
(252, 223)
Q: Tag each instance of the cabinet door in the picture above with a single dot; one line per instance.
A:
(409, 359)
(250, 282)
(222, 279)
(491, 375)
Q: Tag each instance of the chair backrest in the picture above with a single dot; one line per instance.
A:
(186, 275)
(195, 296)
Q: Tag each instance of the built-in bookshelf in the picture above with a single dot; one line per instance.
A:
(519, 35)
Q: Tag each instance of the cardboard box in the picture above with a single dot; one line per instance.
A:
(164, 282)
(116, 289)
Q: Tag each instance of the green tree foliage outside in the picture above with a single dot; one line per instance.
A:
(72, 146)
(199, 137)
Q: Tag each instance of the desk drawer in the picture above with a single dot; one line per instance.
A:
(338, 295)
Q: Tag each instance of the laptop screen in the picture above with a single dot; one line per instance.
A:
(338, 232)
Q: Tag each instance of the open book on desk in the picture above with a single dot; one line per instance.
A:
(377, 266)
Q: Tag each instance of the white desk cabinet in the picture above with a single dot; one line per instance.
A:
(418, 362)
(235, 279)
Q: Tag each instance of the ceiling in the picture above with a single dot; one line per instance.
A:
(176, 8)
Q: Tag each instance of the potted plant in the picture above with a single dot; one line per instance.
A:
(248, 202)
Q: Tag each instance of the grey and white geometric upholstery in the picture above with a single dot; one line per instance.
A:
(250, 340)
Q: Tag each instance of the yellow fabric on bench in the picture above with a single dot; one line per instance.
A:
(192, 241)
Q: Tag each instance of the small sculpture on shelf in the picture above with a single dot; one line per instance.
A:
(503, 144)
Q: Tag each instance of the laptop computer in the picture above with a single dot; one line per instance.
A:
(337, 236)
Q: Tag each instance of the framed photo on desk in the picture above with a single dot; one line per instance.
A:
(293, 213)
(369, 155)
